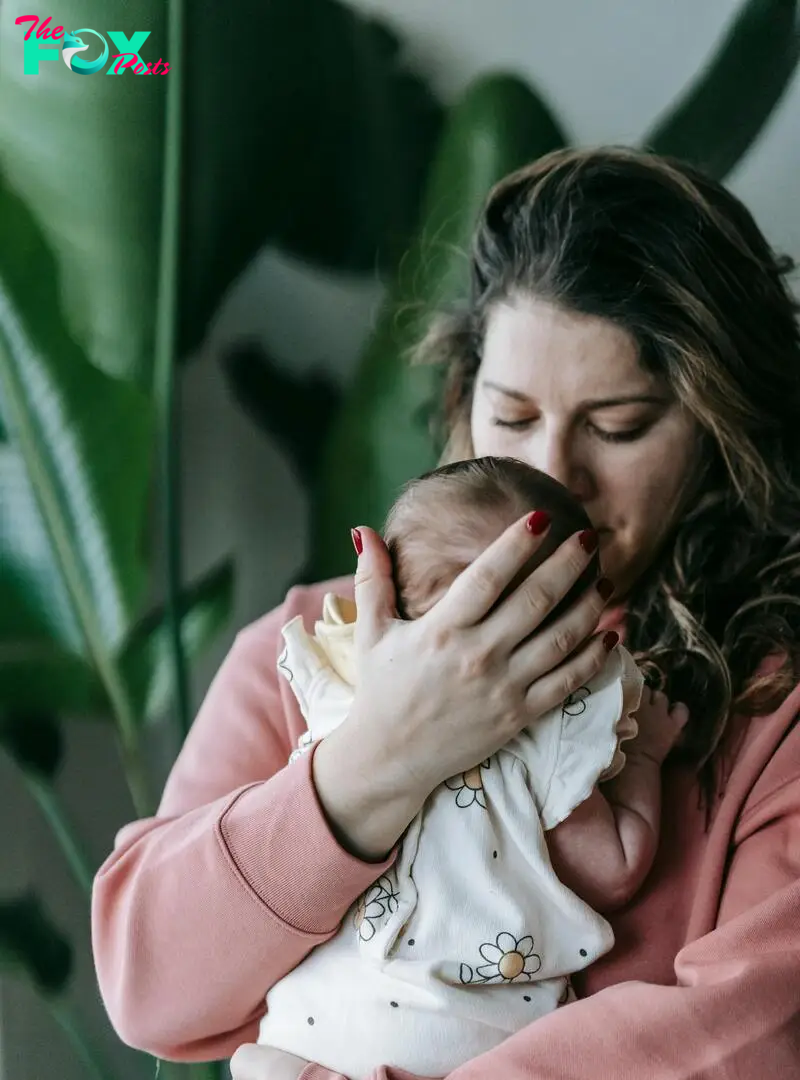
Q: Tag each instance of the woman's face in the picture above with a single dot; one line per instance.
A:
(565, 393)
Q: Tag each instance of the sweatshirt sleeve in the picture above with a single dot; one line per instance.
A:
(733, 1013)
(200, 910)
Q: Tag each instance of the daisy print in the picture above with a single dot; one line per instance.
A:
(575, 703)
(508, 960)
(380, 899)
(389, 896)
(368, 913)
(469, 786)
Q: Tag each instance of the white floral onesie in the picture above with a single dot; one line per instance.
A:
(470, 936)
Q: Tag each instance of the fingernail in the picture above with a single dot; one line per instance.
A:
(588, 541)
(610, 639)
(538, 521)
(605, 588)
(358, 543)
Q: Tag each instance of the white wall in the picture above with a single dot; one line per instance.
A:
(608, 67)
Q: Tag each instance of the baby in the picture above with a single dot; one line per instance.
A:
(471, 935)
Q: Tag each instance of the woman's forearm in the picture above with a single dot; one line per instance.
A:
(243, 888)
(367, 801)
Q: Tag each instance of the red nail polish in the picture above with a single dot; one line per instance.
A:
(538, 522)
(588, 541)
(358, 543)
(610, 639)
(605, 588)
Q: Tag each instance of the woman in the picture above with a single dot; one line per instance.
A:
(630, 333)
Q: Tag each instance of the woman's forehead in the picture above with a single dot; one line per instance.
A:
(533, 348)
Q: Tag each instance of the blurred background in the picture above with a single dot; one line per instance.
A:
(207, 283)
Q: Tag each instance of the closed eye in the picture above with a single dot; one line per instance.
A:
(621, 436)
(606, 436)
(515, 425)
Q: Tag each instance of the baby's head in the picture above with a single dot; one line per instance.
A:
(445, 519)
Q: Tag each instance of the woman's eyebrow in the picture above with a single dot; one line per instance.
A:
(626, 399)
(593, 403)
(516, 394)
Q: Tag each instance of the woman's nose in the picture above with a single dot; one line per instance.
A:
(559, 460)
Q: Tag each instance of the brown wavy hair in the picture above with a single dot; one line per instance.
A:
(671, 256)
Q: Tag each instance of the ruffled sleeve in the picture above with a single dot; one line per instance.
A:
(324, 698)
(594, 721)
(301, 660)
(627, 727)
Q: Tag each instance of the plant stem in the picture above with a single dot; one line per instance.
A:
(165, 360)
(56, 816)
(85, 1051)
(136, 775)
(128, 734)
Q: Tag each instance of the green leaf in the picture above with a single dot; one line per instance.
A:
(87, 153)
(500, 124)
(382, 436)
(205, 1070)
(75, 477)
(304, 129)
(38, 676)
(31, 945)
(325, 156)
(34, 602)
(147, 658)
(725, 110)
(33, 741)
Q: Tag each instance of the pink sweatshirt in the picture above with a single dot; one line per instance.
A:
(200, 910)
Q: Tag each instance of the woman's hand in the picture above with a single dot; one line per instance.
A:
(440, 694)
(263, 1063)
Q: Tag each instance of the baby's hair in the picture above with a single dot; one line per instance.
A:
(444, 519)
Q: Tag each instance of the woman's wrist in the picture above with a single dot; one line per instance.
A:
(367, 802)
